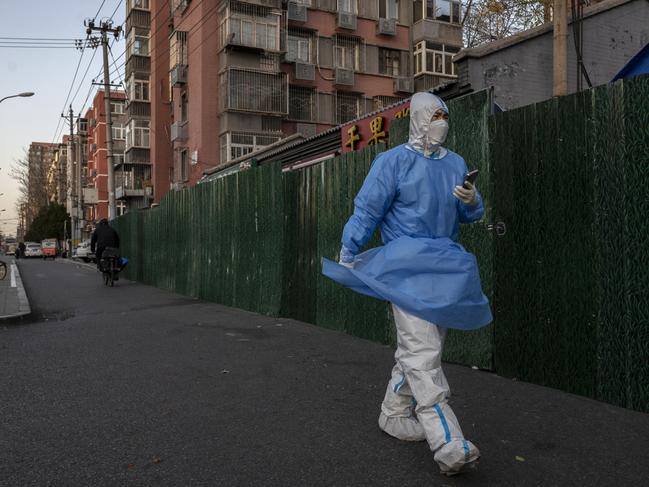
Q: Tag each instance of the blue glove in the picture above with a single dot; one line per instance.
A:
(346, 257)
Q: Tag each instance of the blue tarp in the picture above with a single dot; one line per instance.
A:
(639, 64)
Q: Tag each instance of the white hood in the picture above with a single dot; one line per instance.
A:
(423, 105)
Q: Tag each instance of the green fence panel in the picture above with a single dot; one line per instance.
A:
(636, 239)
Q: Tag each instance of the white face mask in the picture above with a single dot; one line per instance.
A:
(436, 135)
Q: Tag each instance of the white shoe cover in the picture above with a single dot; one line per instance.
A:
(457, 456)
(403, 428)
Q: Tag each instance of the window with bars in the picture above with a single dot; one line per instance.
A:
(348, 6)
(184, 165)
(389, 62)
(380, 102)
(177, 49)
(250, 25)
(299, 45)
(347, 106)
(255, 91)
(141, 4)
(302, 104)
(347, 53)
(434, 58)
(238, 144)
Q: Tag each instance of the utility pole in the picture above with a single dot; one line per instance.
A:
(75, 177)
(104, 28)
(560, 48)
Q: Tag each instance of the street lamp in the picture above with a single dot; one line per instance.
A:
(24, 95)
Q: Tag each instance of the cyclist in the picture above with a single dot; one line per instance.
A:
(103, 237)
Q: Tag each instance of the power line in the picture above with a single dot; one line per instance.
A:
(99, 9)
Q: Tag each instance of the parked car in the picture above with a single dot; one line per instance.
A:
(83, 251)
(48, 248)
(32, 249)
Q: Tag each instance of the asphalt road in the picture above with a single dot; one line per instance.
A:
(137, 386)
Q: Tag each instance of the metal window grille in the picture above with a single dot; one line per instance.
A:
(381, 102)
(347, 107)
(390, 62)
(269, 62)
(177, 49)
(349, 53)
(250, 25)
(238, 144)
(302, 104)
(255, 91)
(299, 45)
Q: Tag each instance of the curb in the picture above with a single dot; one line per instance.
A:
(23, 302)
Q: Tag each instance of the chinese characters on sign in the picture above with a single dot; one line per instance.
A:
(372, 130)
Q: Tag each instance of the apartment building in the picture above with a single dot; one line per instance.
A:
(134, 185)
(39, 156)
(95, 174)
(57, 173)
(228, 77)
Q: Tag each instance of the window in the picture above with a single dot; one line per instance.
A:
(141, 4)
(184, 165)
(137, 134)
(441, 10)
(139, 44)
(348, 6)
(389, 9)
(251, 25)
(119, 132)
(347, 107)
(299, 46)
(237, 144)
(116, 107)
(138, 89)
(434, 58)
(308, 3)
(389, 62)
(301, 104)
(347, 53)
(183, 107)
(177, 49)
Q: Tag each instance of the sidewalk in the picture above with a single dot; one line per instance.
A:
(13, 299)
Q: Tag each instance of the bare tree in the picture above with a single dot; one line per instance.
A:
(31, 176)
(490, 20)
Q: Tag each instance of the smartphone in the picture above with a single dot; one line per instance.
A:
(470, 177)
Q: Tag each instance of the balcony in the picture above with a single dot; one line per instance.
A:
(123, 192)
(137, 64)
(251, 26)
(138, 18)
(138, 109)
(137, 155)
(254, 91)
(178, 131)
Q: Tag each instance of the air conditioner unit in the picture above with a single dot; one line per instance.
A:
(344, 76)
(306, 129)
(179, 75)
(347, 20)
(178, 131)
(305, 71)
(387, 27)
(297, 12)
(404, 84)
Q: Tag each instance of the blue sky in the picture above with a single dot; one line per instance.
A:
(48, 73)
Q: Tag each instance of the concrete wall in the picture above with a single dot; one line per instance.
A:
(522, 74)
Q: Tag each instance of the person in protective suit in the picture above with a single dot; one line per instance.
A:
(103, 237)
(417, 196)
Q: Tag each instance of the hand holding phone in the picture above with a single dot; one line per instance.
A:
(470, 177)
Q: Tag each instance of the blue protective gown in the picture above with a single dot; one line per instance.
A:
(420, 268)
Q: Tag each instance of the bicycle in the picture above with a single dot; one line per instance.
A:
(111, 265)
(3, 270)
